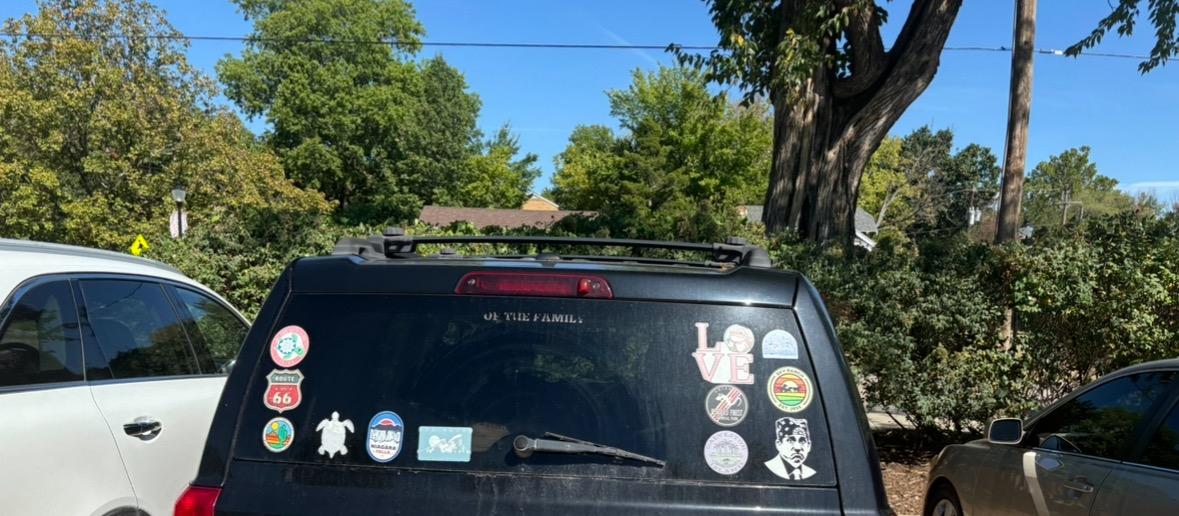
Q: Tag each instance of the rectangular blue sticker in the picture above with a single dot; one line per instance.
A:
(444, 443)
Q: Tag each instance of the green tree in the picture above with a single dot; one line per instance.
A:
(685, 161)
(95, 131)
(1067, 186)
(586, 171)
(358, 120)
(497, 179)
(918, 184)
(886, 190)
(836, 92)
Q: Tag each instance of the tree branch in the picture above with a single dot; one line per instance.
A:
(868, 60)
(911, 65)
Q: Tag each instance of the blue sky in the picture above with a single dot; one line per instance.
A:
(1131, 121)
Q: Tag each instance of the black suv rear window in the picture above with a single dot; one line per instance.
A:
(721, 393)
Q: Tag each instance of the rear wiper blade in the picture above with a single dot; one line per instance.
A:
(525, 446)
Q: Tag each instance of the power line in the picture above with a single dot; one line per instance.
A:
(331, 41)
(494, 44)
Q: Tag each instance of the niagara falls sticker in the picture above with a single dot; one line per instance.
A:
(726, 405)
(289, 346)
(725, 452)
(729, 360)
(278, 434)
(779, 344)
(282, 389)
(789, 389)
(385, 433)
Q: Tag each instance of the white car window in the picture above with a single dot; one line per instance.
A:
(39, 337)
(221, 330)
(136, 328)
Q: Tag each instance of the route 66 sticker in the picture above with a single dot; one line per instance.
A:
(282, 389)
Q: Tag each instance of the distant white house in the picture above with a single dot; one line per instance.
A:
(865, 224)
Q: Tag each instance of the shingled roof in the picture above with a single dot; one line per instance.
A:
(443, 216)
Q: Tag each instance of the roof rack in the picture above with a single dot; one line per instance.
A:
(394, 243)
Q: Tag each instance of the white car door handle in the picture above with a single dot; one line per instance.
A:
(1079, 486)
(143, 429)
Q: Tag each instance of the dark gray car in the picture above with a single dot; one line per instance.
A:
(1111, 447)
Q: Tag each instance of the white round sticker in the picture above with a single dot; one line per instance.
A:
(726, 452)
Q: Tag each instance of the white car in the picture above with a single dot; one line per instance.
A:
(111, 367)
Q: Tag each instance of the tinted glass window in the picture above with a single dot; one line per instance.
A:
(1163, 448)
(137, 329)
(220, 330)
(1100, 421)
(686, 383)
(39, 337)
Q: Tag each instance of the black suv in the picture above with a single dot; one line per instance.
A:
(380, 380)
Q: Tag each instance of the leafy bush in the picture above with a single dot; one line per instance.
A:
(922, 323)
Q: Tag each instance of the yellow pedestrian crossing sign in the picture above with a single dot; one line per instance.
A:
(139, 245)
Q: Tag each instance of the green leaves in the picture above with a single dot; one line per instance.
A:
(918, 185)
(496, 178)
(95, 131)
(685, 162)
(1070, 181)
(353, 116)
(1162, 15)
(921, 323)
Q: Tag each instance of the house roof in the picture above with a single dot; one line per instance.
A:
(442, 216)
(865, 223)
(535, 197)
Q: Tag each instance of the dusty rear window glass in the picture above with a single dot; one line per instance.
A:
(722, 393)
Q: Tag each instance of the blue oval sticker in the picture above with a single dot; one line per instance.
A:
(385, 433)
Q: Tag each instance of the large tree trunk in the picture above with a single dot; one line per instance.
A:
(825, 132)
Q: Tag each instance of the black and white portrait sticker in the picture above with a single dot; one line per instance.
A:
(726, 405)
(792, 438)
(779, 344)
(729, 360)
(726, 452)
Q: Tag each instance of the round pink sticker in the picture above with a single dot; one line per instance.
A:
(289, 346)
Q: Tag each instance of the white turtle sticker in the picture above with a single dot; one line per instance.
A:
(779, 344)
(726, 452)
(332, 434)
(729, 360)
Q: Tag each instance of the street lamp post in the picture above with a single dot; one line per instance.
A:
(178, 195)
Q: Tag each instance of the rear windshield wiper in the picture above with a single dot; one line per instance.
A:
(525, 446)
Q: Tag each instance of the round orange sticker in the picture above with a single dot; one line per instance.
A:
(790, 389)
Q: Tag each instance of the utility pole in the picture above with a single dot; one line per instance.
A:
(1018, 113)
(1064, 201)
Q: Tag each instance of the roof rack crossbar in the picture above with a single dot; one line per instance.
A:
(395, 244)
(619, 258)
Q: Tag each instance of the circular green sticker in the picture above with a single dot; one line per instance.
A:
(278, 434)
